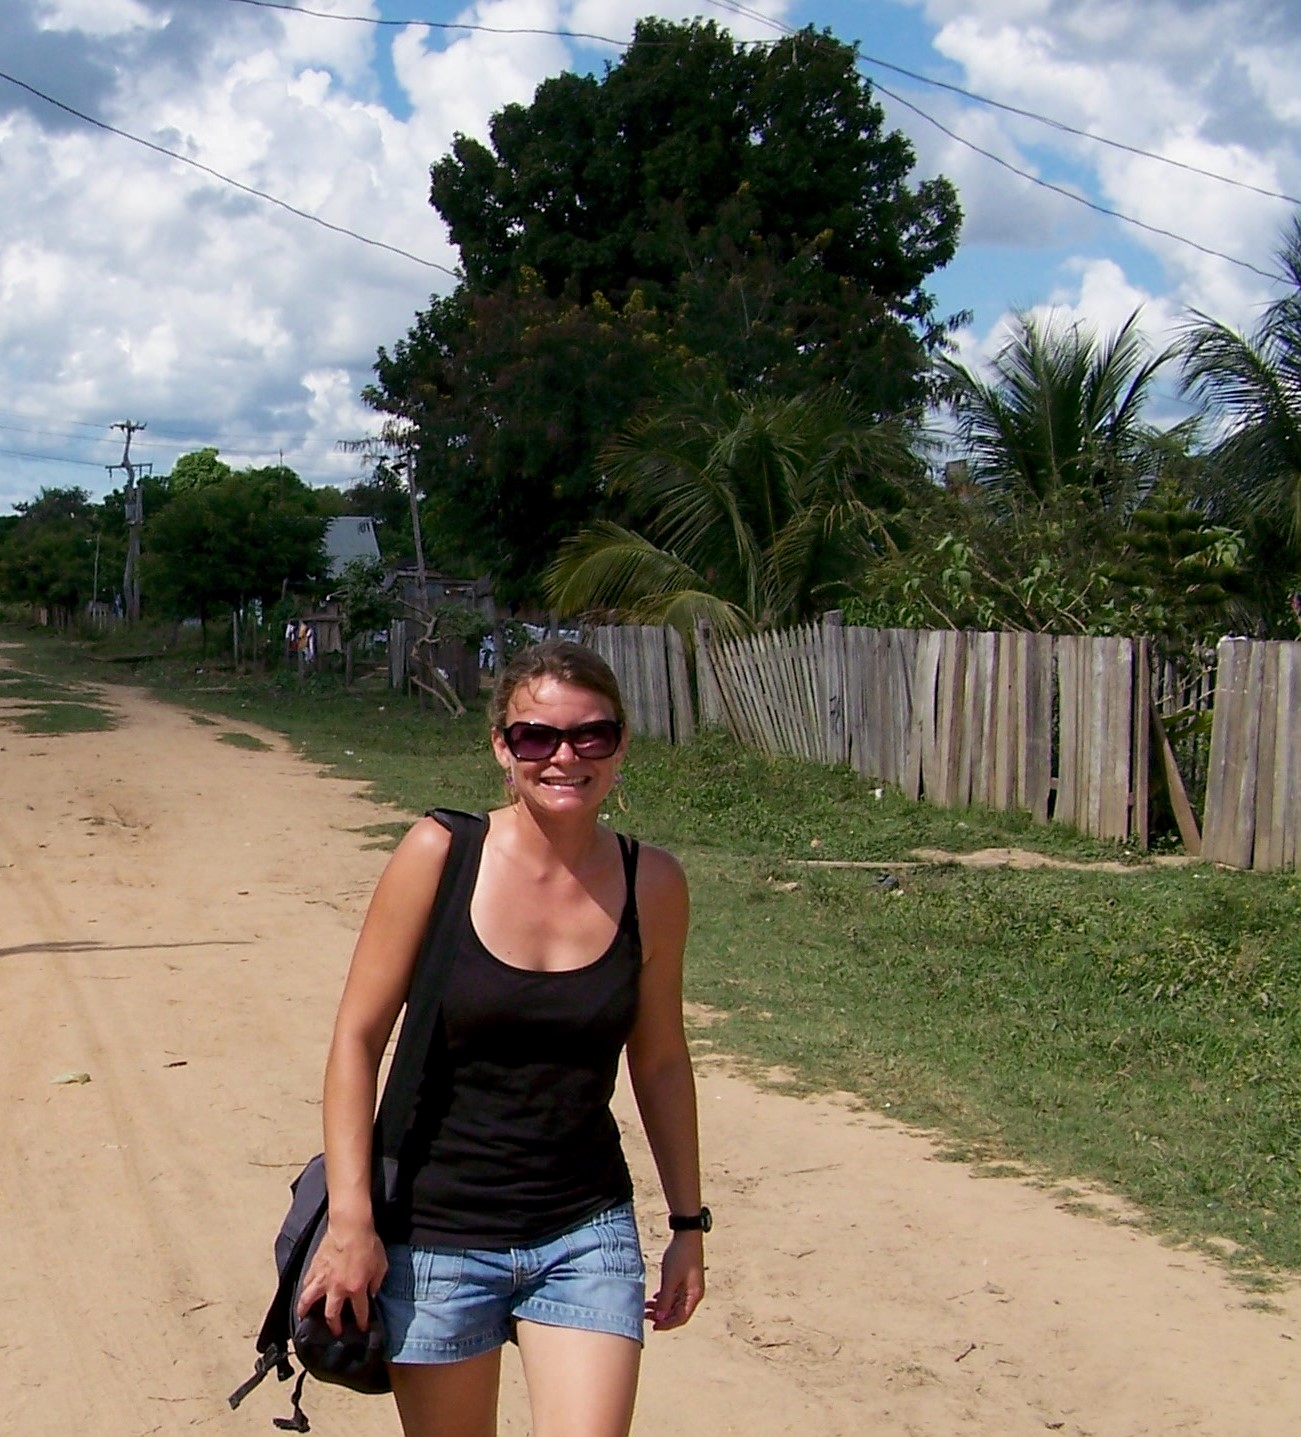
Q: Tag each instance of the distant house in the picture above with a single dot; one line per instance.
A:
(348, 538)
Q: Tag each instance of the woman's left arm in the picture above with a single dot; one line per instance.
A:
(659, 1064)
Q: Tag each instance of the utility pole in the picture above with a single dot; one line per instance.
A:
(411, 448)
(135, 518)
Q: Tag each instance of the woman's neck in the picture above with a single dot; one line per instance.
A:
(570, 842)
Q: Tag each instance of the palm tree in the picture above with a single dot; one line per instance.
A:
(1064, 411)
(750, 510)
(1253, 385)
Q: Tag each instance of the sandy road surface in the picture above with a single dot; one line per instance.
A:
(175, 919)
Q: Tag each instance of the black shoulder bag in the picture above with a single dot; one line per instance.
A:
(355, 1359)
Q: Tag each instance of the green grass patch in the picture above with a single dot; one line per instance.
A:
(39, 703)
(204, 720)
(245, 740)
(59, 717)
(1138, 1030)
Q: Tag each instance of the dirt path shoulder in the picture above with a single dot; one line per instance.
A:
(177, 917)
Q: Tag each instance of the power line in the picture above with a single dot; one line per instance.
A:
(226, 179)
(1081, 134)
(50, 458)
(732, 7)
(1081, 199)
(435, 24)
(745, 12)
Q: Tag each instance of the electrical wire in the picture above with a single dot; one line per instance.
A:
(51, 458)
(733, 7)
(746, 12)
(226, 179)
(434, 24)
(1082, 199)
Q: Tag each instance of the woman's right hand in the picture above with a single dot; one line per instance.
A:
(349, 1266)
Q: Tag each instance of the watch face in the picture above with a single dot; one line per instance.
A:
(706, 1220)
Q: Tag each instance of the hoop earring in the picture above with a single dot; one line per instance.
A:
(620, 793)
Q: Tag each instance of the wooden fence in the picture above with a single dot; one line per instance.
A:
(1063, 727)
(1253, 780)
(956, 718)
(651, 666)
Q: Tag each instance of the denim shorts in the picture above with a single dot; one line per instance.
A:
(444, 1304)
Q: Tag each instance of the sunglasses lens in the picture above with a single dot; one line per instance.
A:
(534, 742)
(595, 740)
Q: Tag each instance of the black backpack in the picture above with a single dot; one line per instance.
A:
(356, 1358)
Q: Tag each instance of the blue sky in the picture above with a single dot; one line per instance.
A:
(132, 286)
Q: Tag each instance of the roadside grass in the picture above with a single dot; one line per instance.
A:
(1136, 1030)
(244, 740)
(38, 704)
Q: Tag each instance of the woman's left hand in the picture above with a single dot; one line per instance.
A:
(682, 1282)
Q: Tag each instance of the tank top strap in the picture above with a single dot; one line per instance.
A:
(628, 848)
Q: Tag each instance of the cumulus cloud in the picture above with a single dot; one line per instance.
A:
(1158, 77)
(131, 285)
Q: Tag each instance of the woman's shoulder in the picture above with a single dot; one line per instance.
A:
(659, 874)
(423, 851)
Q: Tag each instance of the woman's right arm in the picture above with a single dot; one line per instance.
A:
(350, 1263)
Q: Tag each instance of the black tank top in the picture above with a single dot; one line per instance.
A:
(513, 1137)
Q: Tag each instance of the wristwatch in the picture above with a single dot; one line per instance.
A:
(701, 1221)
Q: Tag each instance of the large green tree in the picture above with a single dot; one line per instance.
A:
(748, 511)
(703, 211)
(223, 543)
(47, 556)
(1252, 385)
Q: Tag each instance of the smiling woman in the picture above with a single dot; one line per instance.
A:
(517, 1219)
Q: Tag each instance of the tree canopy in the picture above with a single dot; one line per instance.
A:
(1063, 411)
(224, 542)
(1252, 385)
(704, 210)
(750, 511)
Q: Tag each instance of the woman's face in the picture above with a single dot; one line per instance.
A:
(565, 782)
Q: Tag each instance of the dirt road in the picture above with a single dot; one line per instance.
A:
(175, 918)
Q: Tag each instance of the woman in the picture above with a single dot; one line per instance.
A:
(521, 1222)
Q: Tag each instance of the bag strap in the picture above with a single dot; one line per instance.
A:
(429, 980)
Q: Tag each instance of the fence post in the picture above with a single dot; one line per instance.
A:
(683, 728)
(711, 700)
(833, 683)
(397, 653)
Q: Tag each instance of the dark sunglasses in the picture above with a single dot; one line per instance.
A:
(533, 742)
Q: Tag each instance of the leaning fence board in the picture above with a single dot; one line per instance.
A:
(1216, 813)
(970, 741)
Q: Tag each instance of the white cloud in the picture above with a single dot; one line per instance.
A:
(98, 18)
(132, 285)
